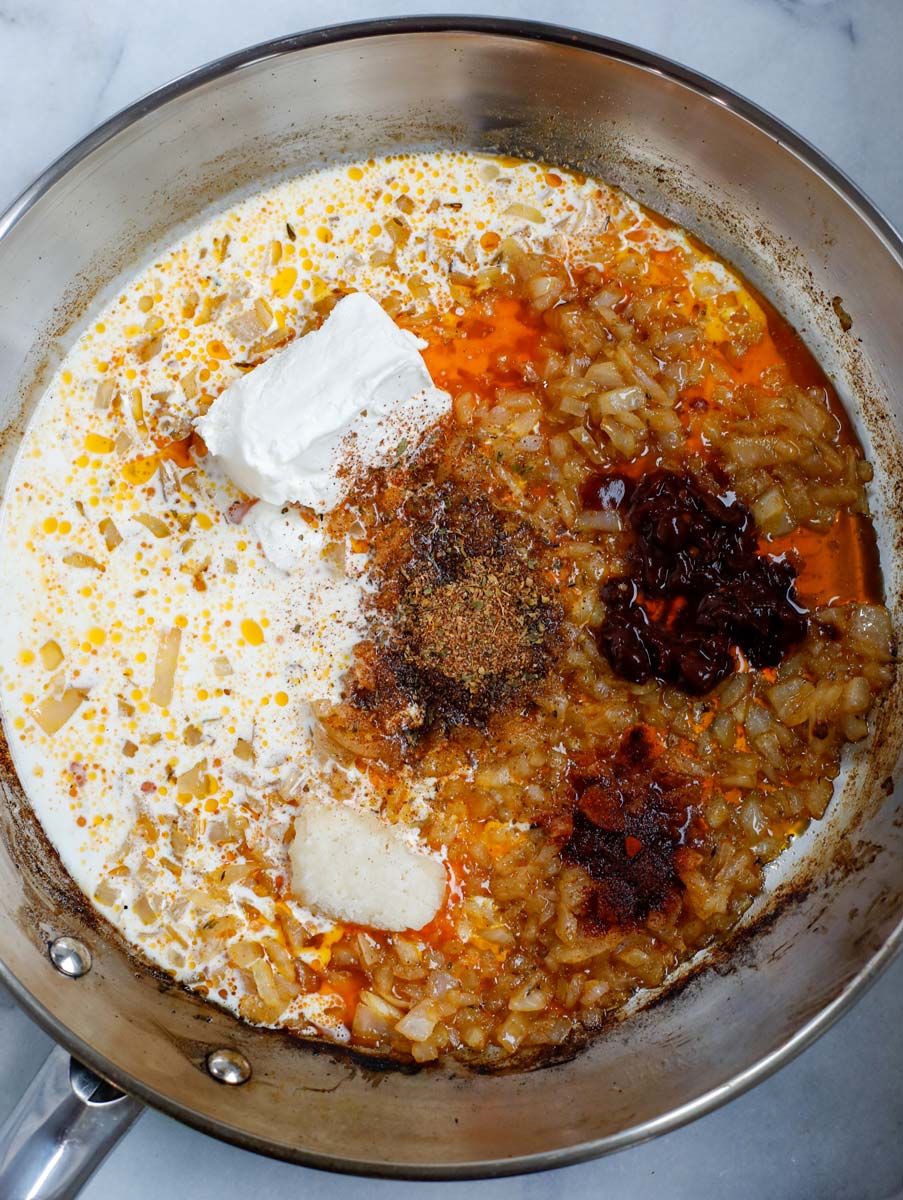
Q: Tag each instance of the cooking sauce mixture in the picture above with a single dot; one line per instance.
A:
(596, 639)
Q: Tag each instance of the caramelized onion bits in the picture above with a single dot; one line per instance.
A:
(698, 588)
(631, 818)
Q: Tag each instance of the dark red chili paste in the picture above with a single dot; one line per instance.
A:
(698, 588)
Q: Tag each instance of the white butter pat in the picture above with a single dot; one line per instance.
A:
(344, 396)
(353, 866)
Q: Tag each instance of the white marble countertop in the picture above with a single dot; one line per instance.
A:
(831, 1123)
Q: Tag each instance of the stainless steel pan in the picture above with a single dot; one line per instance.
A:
(832, 920)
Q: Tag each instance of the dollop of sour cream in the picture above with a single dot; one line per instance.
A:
(346, 394)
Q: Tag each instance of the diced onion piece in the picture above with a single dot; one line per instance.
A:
(528, 998)
(246, 326)
(106, 390)
(525, 212)
(54, 711)
(189, 383)
(51, 655)
(156, 525)
(106, 893)
(419, 1023)
(243, 750)
(370, 1024)
(380, 1006)
(791, 700)
(222, 666)
(269, 341)
(151, 348)
(143, 909)
(280, 958)
(165, 667)
(398, 230)
(295, 934)
(235, 872)
(111, 534)
(217, 833)
(77, 559)
(857, 696)
(221, 927)
(606, 521)
(511, 1033)
(265, 984)
(136, 404)
(193, 782)
(244, 954)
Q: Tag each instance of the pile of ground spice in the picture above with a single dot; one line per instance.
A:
(481, 625)
(463, 621)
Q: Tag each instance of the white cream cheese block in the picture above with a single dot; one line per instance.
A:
(343, 396)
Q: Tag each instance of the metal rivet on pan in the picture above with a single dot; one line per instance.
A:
(228, 1066)
(70, 957)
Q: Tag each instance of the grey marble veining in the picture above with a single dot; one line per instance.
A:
(831, 1123)
(830, 68)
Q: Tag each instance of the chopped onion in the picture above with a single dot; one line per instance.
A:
(193, 782)
(165, 667)
(144, 910)
(280, 958)
(111, 534)
(244, 954)
(156, 525)
(54, 711)
(419, 1023)
(106, 390)
(244, 750)
(526, 212)
(77, 559)
(266, 986)
(51, 655)
(106, 893)
(136, 404)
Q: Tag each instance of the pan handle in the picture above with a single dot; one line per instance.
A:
(61, 1130)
